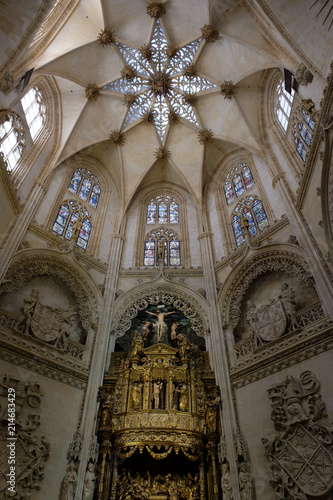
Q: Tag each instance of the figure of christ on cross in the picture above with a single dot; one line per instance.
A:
(159, 325)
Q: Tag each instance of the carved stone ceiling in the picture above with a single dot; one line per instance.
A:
(76, 58)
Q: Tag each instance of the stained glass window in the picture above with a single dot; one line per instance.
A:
(239, 188)
(149, 258)
(247, 177)
(229, 192)
(164, 208)
(12, 139)
(237, 230)
(85, 189)
(260, 214)
(171, 244)
(67, 215)
(34, 110)
(162, 213)
(283, 104)
(303, 127)
(301, 149)
(87, 185)
(252, 209)
(95, 194)
(75, 182)
(174, 252)
(151, 213)
(173, 213)
(307, 118)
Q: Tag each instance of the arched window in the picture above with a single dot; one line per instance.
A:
(70, 214)
(86, 186)
(303, 127)
(251, 209)
(240, 178)
(172, 248)
(163, 209)
(284, 102)
(12, 139)
(34, 110)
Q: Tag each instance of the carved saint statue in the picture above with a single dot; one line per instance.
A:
(226, 483)
(212, 407)
(244, 480)
(287, 297)
(68, 318)
(69, 483)
(159, 326)
(184, 346)
(76, 228)
(174, 327)
(27, 310)
(137, 345)
(161, 250)
(158, 394)
(106, 413)
(89, 483)
(136, 397)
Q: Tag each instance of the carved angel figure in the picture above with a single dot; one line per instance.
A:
(69, 483)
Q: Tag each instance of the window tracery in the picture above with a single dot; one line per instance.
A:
(252, 209)
(73, 219)
(34, 110)
(12, 139)
(238, 180)
(171, 246)
(86, 185)
(163, 209)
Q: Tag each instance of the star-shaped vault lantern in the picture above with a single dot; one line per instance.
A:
(159, 82)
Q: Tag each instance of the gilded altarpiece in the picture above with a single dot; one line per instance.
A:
(158, 424)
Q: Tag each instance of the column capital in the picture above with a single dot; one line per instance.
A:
(277, 178)
(205, 234)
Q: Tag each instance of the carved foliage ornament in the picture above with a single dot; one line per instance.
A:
(156, 10)
(22, 461)
(26, 269)
(301, 455)
(289, 263)
(191, 310)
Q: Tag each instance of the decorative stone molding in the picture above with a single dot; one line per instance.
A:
(228, 89)
(156, 10)
(117, 137)
(146, 52)
(106, 37)
(172, 50)
(209, 33)
(190, 99)
(205, 136)
(7, 82)
(19, 435)
(301, 455)
(28, 267)
(303, 75)
(269, 261)
(191, 70)
(149, 117)
(162, 153)
(166, 294)
(128, 73)
(173, 117)
(92, 92)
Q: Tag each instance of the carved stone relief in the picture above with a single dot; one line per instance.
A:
(23, 451)
(301, 455)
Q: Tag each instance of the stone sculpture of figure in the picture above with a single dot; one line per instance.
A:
(69, 483)
(28, 310)
(287, 298)
(136, 397)
(137, 344)
(159, 325)
(184, 346)
(106, 413)
(212, 407)
(183, 397)
(226, 483)
(173, 491)
(76, 228)
(244, 223)
(145, 331)
(89, 483)
(161, 250)
(174, 327)
(68, 318)
(244, 480)
(158, 396)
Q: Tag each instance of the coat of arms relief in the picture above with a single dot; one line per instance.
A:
(301, 454)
